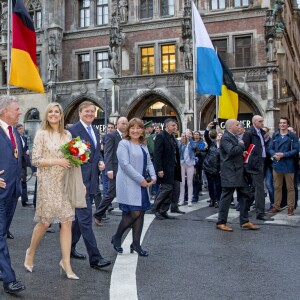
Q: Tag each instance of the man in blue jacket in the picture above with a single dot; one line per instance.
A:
(283, 148)
(90, 174)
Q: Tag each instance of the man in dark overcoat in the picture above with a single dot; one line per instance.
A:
(232, 177)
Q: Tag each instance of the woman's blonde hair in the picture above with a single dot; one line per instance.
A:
(139, 123)
(45, 123)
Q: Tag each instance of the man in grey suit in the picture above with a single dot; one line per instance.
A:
(232, 177)
(111, 167)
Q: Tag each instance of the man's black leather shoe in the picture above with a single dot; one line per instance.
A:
(27, 204)
(166, 216)
(77, 255)
(178, 211)
(101, 263)
(158, 216)
(9, 235)
(264, 218)
(13, 287)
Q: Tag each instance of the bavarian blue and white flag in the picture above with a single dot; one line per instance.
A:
(209, 73)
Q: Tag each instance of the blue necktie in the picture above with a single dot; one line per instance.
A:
(89, 129)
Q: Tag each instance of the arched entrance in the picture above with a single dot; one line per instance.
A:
(247, 109)
(153, 107)
(72, 114)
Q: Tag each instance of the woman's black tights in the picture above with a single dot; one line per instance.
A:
(134, 219)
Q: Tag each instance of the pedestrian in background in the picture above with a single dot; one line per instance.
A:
(51, 207)
(211, 165)
(284, 146)
(167, 166)
(187, 150)
(135, 174)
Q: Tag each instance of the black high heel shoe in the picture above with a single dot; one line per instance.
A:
(119, 249)
(140, 252)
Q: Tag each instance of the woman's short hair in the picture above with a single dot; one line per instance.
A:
(139, 123)
(45, 123)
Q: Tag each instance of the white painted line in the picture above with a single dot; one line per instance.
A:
(123, 277)
(282, 218)
(232, 214)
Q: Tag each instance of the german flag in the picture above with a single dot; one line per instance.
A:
(229, 100)
(24, 68)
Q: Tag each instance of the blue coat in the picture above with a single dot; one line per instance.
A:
(90, 171)
(130, 172)
(289, 146)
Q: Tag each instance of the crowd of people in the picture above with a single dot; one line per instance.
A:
(137, 162)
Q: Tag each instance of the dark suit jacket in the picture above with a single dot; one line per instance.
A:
(90, 171)
(25, 158)
(165, 157)
(112, 140)
(256, 162)
(12, 166)
(232, 165)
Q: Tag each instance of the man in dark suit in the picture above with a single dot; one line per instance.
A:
(232, 177)
(10, 185)
(111, 167)
(25, 163)
(167, 166)
(255, 165)
(90, 174)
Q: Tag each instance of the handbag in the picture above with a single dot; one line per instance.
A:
(74, 188)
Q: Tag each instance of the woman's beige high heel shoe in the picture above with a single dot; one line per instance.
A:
(27, 267)
(70, 276)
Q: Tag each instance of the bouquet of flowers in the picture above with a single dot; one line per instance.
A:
(77, 151)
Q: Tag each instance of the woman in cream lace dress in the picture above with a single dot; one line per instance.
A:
(51, 206)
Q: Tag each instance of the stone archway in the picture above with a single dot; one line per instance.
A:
(153, 106)
(247, 108)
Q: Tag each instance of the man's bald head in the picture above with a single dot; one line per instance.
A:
(232, 125)
(258, 121)
(122, 124)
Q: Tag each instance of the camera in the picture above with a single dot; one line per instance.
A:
(215, 123)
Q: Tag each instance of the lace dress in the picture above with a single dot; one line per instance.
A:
(51, 207)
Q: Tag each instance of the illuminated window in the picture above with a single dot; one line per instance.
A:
(83, 66)
(168, 59)
(84, 13)
(147, 60)
(102, 12)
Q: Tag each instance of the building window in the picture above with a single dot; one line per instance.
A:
(243, 52)
(147, 60)
(35, 11)
(168, 59)
(167, 7)
(146, 9)
(221, 48)
(83, 66)
(240, 3)
(38, 60)
(84, 13)
(217, 4)
(101, 62)
(4, 73)
(102, 12)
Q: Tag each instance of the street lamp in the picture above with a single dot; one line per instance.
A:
(106, 84)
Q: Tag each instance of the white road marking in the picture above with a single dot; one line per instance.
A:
(282, 218)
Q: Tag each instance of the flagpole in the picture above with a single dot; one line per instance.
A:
(194, 71)
(8, 46)
(217, 108)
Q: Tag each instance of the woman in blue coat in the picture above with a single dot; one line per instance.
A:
(132, 181)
